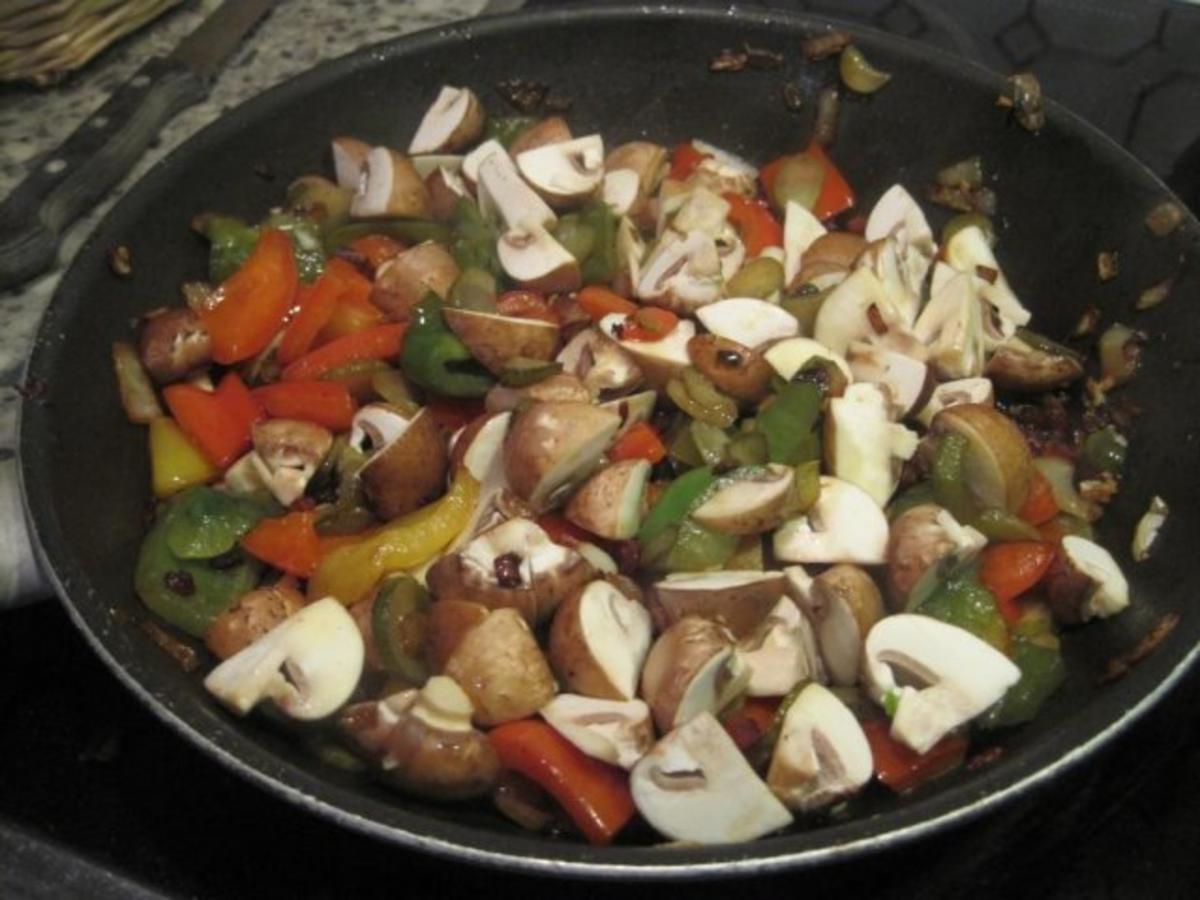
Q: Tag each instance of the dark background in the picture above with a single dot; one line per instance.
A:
(98, 798)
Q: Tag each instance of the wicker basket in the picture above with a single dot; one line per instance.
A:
(41, 42)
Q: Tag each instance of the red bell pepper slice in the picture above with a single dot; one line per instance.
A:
(219, 421)
(380, 342)
(594, 794)
(254, 300)
(1009, 570)
(527, 305)
(755, 223)
(685, 159)
(326, 403)
(901, 768)
(376, 249)
(238, 402)
(316, 306)
(598, 302)
(639, 442)
(288, 543)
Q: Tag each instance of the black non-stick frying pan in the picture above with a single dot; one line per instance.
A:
(1065, 193)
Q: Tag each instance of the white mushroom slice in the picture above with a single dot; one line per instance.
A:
(901, 272)
(453, 122)
(376, 426)
(618, 732)
(968, 251)
(738, 600)
(800, 229)
(862, 445)
(906, 380)
(246, 476)
(844, 525)
(748, 501)
(954, 393)
(610, 503)
(447, 163)
(925, 540)
(732, 253)
(695, 785)
(532, 257)
(472, 161)
(731, 161)
(308, 664)
(691, 669)
(599, 641)
(896, 210)
(749, 321)
(857, 309)
(822, 755)
(683, 274)
(723, 171)
(599, 362)
(286, 455)
(844, 603)
(505, 197)
(791, 355)
(620, 190)
(1107, 592)
(389, 186)
(962, 676)
(349, 158)
(658, 360)
(565, 172)
(631, 250)
(598, 557)
(553, 445)
(1148, 527)
(782, 652)
(702, 210)
(633, 410)
(952, 325)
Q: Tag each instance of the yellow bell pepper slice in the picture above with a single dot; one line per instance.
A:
(175, 462)
(351, 571)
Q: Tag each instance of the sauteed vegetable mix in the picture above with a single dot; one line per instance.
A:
(621, 484)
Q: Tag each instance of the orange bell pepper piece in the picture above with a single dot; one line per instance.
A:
(352, 313)
(639, 442)
(376, 249)
(901, 768)
(288, 543)
(598, 302)
(594, 794)
(1009, 570)
(219, 421)
(380, 342)
(1039, 506)
(755, 223)
(237, 401)
(316, 305)
(254, 300)
(326, 403)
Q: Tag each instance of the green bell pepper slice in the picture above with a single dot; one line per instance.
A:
(399, 622)
(601, 262)
(789, 424)
(473, 239)
(675, 503)
(949, 477)
(961, 600)
(1105, 449)
(698, 548)
(1042, 673)
(436, 359)
(203, 522)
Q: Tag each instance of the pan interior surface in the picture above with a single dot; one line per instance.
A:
(1064, 194)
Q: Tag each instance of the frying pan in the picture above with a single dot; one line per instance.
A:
(1065, 193)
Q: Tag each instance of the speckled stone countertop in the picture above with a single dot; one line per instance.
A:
(297, 35)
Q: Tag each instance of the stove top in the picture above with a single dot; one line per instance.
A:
(98, 798)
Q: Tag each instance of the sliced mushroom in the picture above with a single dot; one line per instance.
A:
(748, 321)
(562, 387)
(251, 617)
(691, 669)
(733, 368)
(862, 445)
(844, 525)
(565, 173)
(1088, 583)
(532, 258)
(403, 281)
(954, 393)
(308, 665)
(514, 565)
(659, 361)
(612, 502)
(494, 339)
(452, 123)
(998, 465)
(551, 130)
(922, 540)
(682, 273)
(423, 741)
(287, 454)
(724, 172)
(504, 195)
(782, 652)
(908, 381)
(408, 461)
(599, 641)
(472, 161)
(390, 186)
(969, 251)
(845, 604)
(740, 601)
(445, 188)
(962, 676)
(696, 786)
(750, 500)
(633, 410)
(858, 309)
(349, 160)
(645, 159)
(800, 230)
(500, 666)
(602, 364)
(822, 755)
(789, 356)
(173, 344)
(618, 732)
(952, 326)
(897, 210)
(449, 622)
(552, 447)
(1020, 365)
(427, 164)
(620, 190)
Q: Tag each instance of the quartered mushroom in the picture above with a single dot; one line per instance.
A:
(955, 393)
(505, 197)
(863, 445)
(659, 361)
(724, 172)
(404, 280)
(845, 604)
(648, 161)
(901, 278)
(286, 455)
(620, 190)
(782, 652)
(553, 447)
(748, 321)
(691, 669)
(682, 273)
(696, 786)
(740, 601)
(550, 130)
(567, 172)
(389, 186)
(612, 502)
(561, 387)
(858, 309)
(827, 260)
(349, 160)
(452, 123)
(599, 641)
(633, 410)
(513, 565)
(1085, 582)
(472, 161)
(252, 616)
(844, 525)
(749, 500)
(427, 164)
(422, 741)
(908, 381)
(173, 344)
(1025, 362)
(500, 666)
(998, 466)
(822, 755)
(800, 229)
(494, 339)
(897, 215)
(408, 458)
(532, 258)
(923, 540)
(630, 251)
(960, 676)
(618, 732)
(603, 365)
(952, 326)
(308, 665)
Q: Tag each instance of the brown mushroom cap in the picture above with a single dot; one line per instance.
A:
(408, 472)
(691, 648)
(173, 344)
(449, 622)
(917, 541)
(562, 387)
(734, 369)
(611, 503)
(551, 130)
(738, 601)
(252, 616)
(598, 641)
(404, 280)
(495, 339)
(553, 446)
(998, 463)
